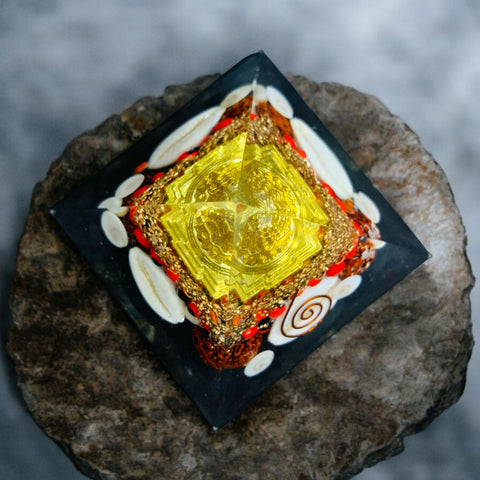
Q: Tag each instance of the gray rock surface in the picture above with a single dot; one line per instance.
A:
(94, 387)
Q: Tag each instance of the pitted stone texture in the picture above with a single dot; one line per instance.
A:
(94, 387)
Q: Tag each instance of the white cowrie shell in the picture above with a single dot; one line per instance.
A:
(377, 244)
(260, 93)
(236, 95)
(128, 186)
(185, 138)
(367, 206)
(156, 288)
(279, 102)
(121, 211)
(114, 205)
(113, 229)
(322, 159)
(110, 202)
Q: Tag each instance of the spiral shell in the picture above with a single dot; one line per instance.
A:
(307, 316)
(302, 316)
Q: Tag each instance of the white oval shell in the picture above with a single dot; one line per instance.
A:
(260, 93)
(322, 159)
(259, 363)
(367, 206)
(236, 95)
(377, 244)
(346, 287)
(279, 102)
(185, 137)
(157, 289)
(114, 229)
(120, 211)
(114, 205)
(128, 186)
(110, 202)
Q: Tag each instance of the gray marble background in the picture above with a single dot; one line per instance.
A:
(66, 65)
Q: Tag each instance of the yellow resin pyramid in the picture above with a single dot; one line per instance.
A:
(242, 219)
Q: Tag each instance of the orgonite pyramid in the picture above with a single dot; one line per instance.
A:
(242, 215)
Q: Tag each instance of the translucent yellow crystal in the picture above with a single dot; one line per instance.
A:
(242, 219)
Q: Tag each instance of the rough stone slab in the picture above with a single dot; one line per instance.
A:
(95, 388)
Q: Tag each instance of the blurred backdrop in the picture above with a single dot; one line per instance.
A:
(66, 65)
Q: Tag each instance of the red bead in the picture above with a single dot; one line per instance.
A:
(301, 153)
(193, 307)
(290, 140)
(140, 238)
(154, 255)
(335, 269)
(341, 205)
(277, 311)
(183, 156)
(328, 188)
(131, 213)
(350, 254)
(253, 116)
(314, 281)
(353, 250)
(158, 175)
(358, 229)
(222, 124)
(172, 275)
(141, 167)
(140, 191)
(250, 332)
(259, 314)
